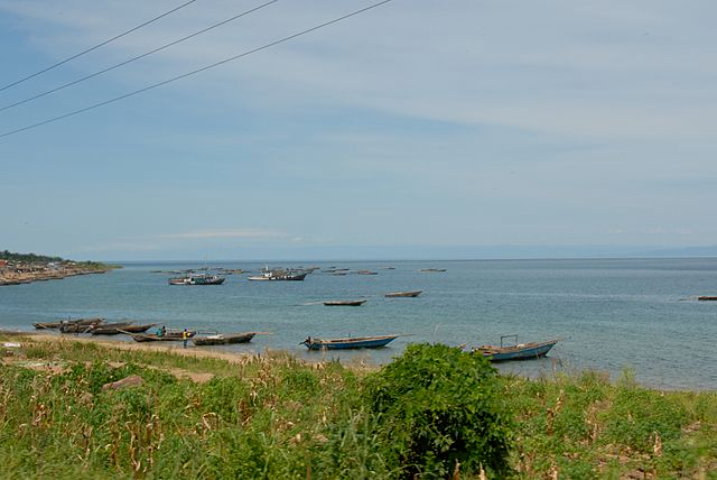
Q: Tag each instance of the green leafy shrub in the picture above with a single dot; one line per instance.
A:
(439, 406)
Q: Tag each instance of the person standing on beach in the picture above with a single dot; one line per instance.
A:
(185, 337)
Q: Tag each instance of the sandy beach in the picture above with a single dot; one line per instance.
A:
(176, 347)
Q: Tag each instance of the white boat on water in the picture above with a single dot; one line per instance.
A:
(288, 274)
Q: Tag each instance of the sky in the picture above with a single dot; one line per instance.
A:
(420, 126)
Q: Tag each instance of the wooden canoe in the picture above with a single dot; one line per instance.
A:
(79, 321)
(167, 337)
(521, 351)
(224, 338)
(81, 326)
(349, 343)
(47, 325)
(117, 328)
(344, 303)
(403, 294)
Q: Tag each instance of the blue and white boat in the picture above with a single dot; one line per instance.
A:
(347, 343)
(519, 351)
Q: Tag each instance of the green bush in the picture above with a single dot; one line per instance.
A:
(439, 406)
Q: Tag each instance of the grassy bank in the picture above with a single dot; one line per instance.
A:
(272, 416)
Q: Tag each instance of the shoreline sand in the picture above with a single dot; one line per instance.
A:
(133, 346)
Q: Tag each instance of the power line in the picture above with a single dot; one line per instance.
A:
(77, 55)
(133, 59)
(194, 72)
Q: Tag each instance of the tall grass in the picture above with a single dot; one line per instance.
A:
(273, 416)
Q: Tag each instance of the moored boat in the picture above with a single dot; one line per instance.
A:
(47, 325)
(165, 337)
(433, 270)
(81, 326)
(224, 338)
(288, 274)
(344, 303)
(707, 298)
(519, 351)
(197, 280)
(349, 343)
(403, 294)
(77, 322)
(120, 327)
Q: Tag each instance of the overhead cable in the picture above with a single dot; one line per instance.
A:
(194, 72)
(133, 59)
(95, 47)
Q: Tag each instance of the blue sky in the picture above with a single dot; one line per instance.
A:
(421, 123)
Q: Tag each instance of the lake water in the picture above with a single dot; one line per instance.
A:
(640, 314)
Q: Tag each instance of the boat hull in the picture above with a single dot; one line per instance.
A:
(116, 329)
(349, 344)
(167, 337)
(192, 281)
(356, 303)
(403, 294)
(224, 339)
(279, 278)
(529, 351)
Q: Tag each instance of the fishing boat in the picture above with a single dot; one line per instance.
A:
(224, 338)
(81, 326)
(349, 343)
(403, 294)
(288, 274)
(197, 280)
(519, 351)
(47, 325)
(366, 272)
(79, 322)
(707, 298)
(344, 303)
(121, 327)
(165, 337)
(433, 270)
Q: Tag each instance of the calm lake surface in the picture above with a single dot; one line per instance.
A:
(640, 314)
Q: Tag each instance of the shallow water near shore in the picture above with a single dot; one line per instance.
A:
(610, 314)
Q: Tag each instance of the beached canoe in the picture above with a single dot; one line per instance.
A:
(521, 351)
(403, 294)
(349, 343)
(224, 338)
(80, 326)
(167, 337)
(47, 325)
(79, 321)
(117, 328)
(344, 303)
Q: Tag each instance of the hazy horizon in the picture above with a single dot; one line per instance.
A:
(426, 253)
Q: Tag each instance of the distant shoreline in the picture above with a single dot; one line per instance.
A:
(13, 275)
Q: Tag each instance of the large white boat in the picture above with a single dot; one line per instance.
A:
(279, 274)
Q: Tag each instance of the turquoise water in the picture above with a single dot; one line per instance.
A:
(610, 314)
